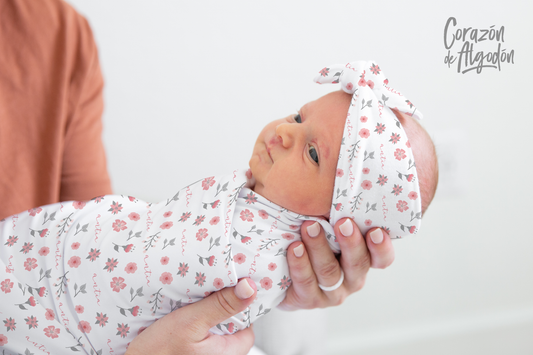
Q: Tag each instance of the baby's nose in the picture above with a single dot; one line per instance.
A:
(287, 132)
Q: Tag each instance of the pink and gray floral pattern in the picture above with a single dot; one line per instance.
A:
(376, 182)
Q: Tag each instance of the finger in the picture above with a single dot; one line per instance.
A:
(218, 307)
(303, 279)
(234, 344)
(323, 260)
(355, 258)
(380, 248)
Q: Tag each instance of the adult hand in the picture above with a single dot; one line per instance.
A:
(186, 330)
(312, 262)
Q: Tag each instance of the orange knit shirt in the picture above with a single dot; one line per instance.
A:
(50, 107)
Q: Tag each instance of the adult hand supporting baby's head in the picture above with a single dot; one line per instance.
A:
(186, 330)
(312, 263)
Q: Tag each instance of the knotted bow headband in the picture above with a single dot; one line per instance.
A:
(376, 182)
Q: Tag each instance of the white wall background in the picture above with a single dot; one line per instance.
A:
(190, 85)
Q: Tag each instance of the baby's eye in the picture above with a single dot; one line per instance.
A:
(298, 118)
(313, 153)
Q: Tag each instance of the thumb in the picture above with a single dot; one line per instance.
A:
(221, 305)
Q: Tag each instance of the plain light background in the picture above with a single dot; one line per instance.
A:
(190, 85)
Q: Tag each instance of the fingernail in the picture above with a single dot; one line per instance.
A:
(243, 290)
(377, 236)
(346, 228)
(299, 250)
(313, 229)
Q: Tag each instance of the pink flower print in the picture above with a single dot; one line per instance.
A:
(380, 128)
(239, 258)
(410, 177)
(10, 324)
(30, 263)
(288, 236)
(131, 198)
(386, 81)
(215, 204)
(364, 133)
(337, 206)
(111, 264)
(214, 221)
(115, 208)
(79, 309)
(250, 198)
(49, 314)
(166, 278)
(200, 279)
(340, 173)
(394, 138)
(43, 233)
(131, 268)
(370, 83)
(266, 283)
(363, 119)
(231, 327)
(412, 195)
(366, 184)
(284, 283)
(11, 241)
(164, 260)
(183, 269)
(399, 154)
(98, 199)
(412, 229)
(408, 144)
(34, 211)
(123, 330)
(117, 284)
(382, 180)
(349, 86)
(272, 266)
(101, 319)
(324, 72)
(368, 222)
(402, 206)
(6, 285)
(26, 248)
(75, 246)
(245, 240)
(293, 227)
(3, 340)
(199, 220)
(78, 205)
(185, 216)
(166, 225)
(263, 214)
(93, 254)
(362, 81)
(247, 216)
(366, 170)
(84, 327)
(119, 225)
(218, 283)
(42, 291)
(31, 301)
(74, 261)
(134, 216)
(396, 190)
(201, 234)
(375, 69)
(208, 182)
(32, 322)
(52, 332)
(135, 311)
(44, 251)
(167, 214)
(211, 260)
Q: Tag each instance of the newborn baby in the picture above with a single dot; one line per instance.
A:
(90, 276)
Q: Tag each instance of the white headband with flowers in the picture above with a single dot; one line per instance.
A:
(376, 182)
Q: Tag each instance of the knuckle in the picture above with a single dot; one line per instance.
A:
(329, 270)
(358, 284)
(224, 306)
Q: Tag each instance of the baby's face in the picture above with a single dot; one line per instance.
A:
(295, 158)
